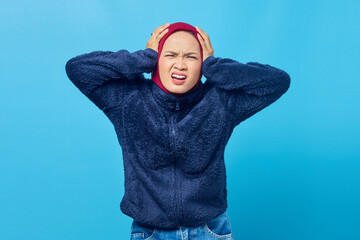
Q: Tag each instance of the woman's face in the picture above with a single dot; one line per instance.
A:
(180, 55)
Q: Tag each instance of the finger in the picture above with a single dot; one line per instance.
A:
(159, 35)
(162, 34)
(203, 33)
(201, 39)
(159, 29)
(202, 42)
(203, 45)
(162, 26)
(205, 36)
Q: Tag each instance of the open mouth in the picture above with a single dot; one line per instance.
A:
(178, 78)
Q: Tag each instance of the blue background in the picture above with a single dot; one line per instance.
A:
(292, 169)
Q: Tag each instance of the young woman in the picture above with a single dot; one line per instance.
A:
(173, 128)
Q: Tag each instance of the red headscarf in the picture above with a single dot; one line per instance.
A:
(173, 28)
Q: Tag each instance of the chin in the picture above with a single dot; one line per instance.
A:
(178, 90)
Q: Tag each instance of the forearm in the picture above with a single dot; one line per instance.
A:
(104, 76)
(251, 78)
(98, 67)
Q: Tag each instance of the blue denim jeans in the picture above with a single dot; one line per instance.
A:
(217, 228)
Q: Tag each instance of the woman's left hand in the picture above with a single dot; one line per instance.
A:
(205, 43)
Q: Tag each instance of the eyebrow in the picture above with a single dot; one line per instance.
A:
(188, 53)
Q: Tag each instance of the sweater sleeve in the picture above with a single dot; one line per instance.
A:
(248, 88)
(103, 76)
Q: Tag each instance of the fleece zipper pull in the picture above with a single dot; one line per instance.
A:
(177, 106)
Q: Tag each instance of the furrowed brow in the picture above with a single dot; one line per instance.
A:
(188, 53)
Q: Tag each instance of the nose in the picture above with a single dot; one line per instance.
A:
(180, 64)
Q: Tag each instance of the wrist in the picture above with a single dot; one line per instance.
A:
(151, 49)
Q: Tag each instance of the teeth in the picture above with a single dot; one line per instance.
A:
(178, 76)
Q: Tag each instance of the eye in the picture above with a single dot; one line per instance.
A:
(169, 55)
(192, 57)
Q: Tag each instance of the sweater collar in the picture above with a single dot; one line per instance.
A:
(171, 102)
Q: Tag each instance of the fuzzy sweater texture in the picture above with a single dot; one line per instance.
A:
(173, 147)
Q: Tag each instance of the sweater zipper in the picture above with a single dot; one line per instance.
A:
(177, 108)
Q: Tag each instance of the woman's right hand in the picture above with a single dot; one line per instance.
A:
(156, 36)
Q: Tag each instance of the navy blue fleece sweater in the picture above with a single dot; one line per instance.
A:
(173, 147)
